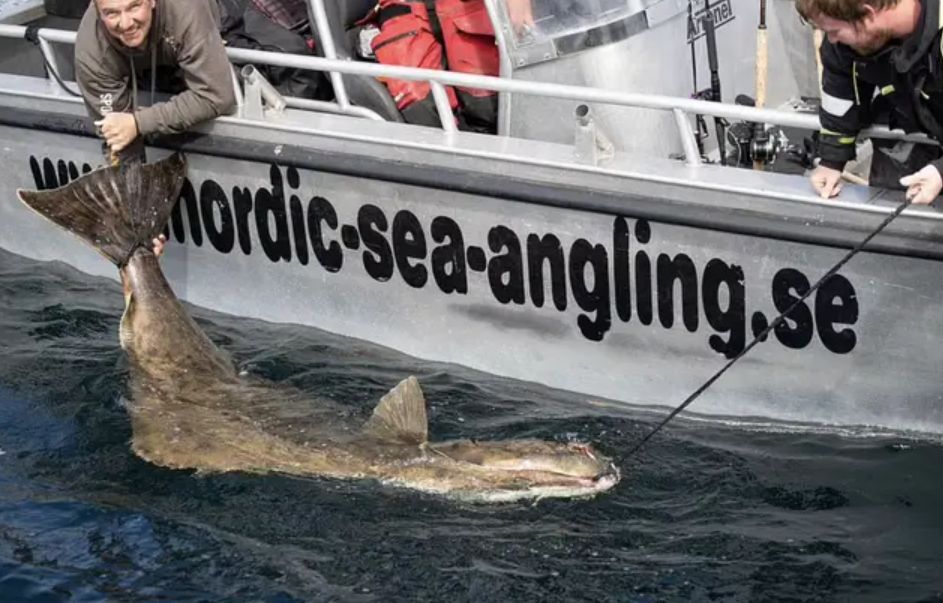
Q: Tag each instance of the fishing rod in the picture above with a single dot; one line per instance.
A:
(712, 93)
(776, 322)
(700, 124)
(761, 139)
(710, 36)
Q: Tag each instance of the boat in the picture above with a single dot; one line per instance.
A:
(587, 246)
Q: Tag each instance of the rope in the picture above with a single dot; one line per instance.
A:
(762, 336)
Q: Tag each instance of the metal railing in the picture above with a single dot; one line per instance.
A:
(682, 108)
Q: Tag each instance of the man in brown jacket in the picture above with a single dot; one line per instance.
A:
(119, 39)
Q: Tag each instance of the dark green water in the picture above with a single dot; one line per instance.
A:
(705, 512)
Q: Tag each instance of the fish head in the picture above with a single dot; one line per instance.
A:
(509, 470)
(396, 437)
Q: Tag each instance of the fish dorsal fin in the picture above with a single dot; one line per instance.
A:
(401, 415)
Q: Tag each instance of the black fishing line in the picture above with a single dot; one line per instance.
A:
(776, 322)
(32, 35)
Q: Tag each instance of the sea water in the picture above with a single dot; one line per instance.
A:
(706, 511)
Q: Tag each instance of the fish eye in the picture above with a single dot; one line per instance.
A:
(583, 449)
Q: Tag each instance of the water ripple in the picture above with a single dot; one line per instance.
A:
(707, 511)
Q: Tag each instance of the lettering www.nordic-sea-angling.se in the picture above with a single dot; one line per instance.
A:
(620, 281)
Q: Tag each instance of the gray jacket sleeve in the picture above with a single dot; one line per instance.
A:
(201, 57)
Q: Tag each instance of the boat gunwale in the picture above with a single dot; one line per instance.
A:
(831, 226)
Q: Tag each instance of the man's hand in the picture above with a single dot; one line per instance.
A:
(158, 244)
(826, 181)
(119, 130)
(923, 186)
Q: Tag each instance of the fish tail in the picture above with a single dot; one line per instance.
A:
(115, 209)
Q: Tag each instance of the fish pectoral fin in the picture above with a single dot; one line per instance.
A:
(401, 415)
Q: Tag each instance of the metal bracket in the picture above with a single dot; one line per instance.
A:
(260, 95)
(590, 144)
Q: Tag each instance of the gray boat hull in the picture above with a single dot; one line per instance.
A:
(630, 284)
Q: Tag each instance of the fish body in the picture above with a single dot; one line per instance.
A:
(191, 409)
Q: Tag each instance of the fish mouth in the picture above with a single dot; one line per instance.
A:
(604, 480)
(608, 478)
(531, 469)
(537, 486)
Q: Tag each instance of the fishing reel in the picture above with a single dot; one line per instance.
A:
(750, 142)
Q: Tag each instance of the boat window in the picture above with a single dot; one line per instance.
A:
(568, 26)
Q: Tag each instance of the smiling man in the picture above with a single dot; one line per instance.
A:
(121, 40)
(878, 49)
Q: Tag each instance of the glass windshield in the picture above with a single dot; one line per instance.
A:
(535, 21)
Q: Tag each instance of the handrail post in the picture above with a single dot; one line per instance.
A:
(692, 157)
(442, 106)
(237, 89)
(506, 68)
(46, 49)
(327, 45)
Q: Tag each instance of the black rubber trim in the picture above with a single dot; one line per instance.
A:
(66, 8)
(391, 12)
(509, 187)
(609, 33)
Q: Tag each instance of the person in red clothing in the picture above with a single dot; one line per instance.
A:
(438, 34)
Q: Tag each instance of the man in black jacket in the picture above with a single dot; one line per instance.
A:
(878, 49)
